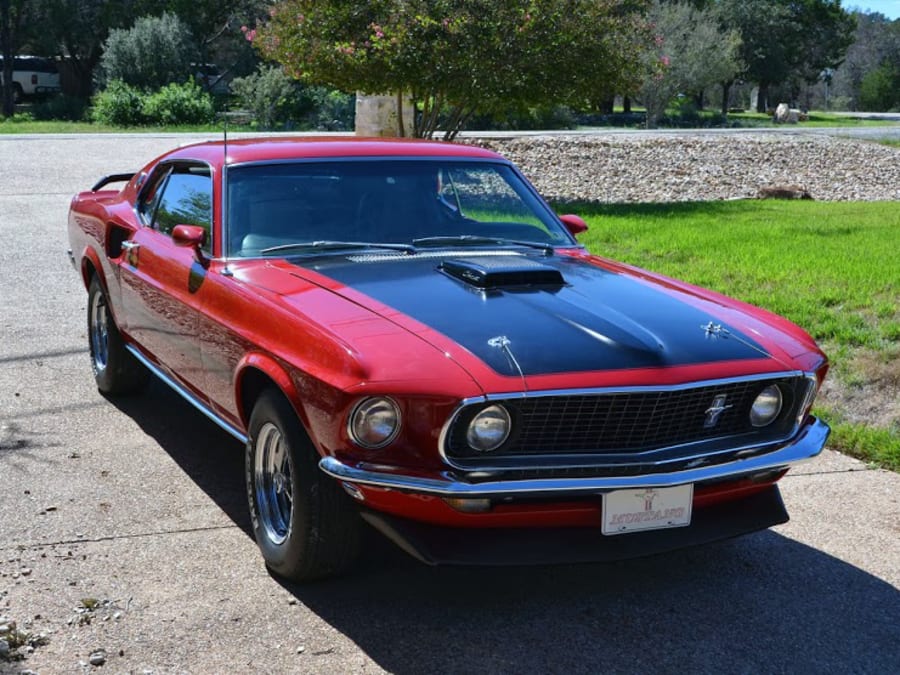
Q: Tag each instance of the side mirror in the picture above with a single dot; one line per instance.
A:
(574, 224)
(191, 236)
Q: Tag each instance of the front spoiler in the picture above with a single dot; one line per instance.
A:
(806, 445)
(435, 545)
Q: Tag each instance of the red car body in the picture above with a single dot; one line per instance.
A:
(407, 345)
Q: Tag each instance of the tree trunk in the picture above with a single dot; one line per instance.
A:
(626, 105)
(699, 100)
(726, 92)
(762, 99)
(8, 55)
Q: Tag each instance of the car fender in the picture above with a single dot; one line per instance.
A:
(275, 372)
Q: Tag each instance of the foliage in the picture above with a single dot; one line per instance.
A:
(457, 58)
(876, 44)
(783, 40)
(151, 54)
(119, 104)
(176, 103)
(692, 51)
(272, 96)
(880, 88)
(61, 107)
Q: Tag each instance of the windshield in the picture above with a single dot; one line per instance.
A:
(278, 208)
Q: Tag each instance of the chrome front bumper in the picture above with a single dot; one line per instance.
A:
(806, 445)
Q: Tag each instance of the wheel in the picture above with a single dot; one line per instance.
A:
(306, 526)
(115, 369)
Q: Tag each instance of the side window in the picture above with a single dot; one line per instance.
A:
(151, 193)
(186, 200)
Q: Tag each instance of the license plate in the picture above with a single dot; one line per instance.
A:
(647, 509)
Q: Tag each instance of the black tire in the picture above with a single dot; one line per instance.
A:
(306, 526)
(116, 371)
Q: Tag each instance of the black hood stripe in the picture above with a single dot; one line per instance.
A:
(597, 320)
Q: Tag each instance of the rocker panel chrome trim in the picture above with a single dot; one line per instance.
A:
(805, 446)
(187, 396)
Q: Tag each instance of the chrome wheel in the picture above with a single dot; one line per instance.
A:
(99, 329)
(273, 485)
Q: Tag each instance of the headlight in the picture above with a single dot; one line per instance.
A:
(489, 429)
(374, 422)
(766, 406)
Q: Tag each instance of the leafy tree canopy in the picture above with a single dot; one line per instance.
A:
(459, 57)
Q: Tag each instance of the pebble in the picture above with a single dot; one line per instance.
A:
(4, 648)
(97, 657)
(678, 168)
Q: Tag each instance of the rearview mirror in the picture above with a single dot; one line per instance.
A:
(574, 224)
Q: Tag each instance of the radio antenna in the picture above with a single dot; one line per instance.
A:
(225, 135)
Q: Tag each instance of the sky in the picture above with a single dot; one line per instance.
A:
(890, 8)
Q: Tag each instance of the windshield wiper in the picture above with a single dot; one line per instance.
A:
(475, 239)
(329, 245)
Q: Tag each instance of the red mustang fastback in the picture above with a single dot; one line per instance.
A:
(404, 334)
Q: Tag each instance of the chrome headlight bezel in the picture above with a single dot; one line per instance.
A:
(767, 406)
(489, 428)
(363, 413)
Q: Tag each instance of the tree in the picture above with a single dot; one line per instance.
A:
(876, 44)
(15, 22)
(783, 39)
(456, 58)
(76, 30)
(692, 52)
(150, 54)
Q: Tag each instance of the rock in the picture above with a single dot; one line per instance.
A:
(782, 112)
(97, 657)
(4, 649)
(677, 167)
(783, 192)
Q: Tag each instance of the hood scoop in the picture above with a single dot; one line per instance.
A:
(502, 271)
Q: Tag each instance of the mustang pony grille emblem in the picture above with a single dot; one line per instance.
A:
(714, 412)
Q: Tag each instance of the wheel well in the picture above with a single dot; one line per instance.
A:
(87, 272)
(253, 383)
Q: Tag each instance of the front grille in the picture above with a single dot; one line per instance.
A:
(610, 425)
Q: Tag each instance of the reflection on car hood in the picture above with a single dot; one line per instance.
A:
(596, 320)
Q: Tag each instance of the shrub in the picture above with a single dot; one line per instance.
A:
(119, 105)
(330, 110)
(155, 51)
(272, 96)
(878, 91)
(178, 104)
(61, 107)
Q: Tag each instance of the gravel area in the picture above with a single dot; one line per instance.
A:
(694, 168)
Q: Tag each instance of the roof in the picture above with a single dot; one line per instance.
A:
(321, 147)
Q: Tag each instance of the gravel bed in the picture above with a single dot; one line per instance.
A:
(673, 168)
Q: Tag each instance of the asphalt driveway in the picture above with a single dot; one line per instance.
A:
(123, 529)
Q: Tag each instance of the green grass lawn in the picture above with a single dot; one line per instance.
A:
(833, 268)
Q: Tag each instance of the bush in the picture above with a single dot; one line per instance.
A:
(878, 91)
(178, 104)
(155, 51)
(61, 107)
(330, 110)
(272, 96)
(119, 105)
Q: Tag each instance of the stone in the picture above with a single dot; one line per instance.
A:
(781, 113)
(97, 657)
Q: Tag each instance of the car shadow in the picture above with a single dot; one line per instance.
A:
(760, 603)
